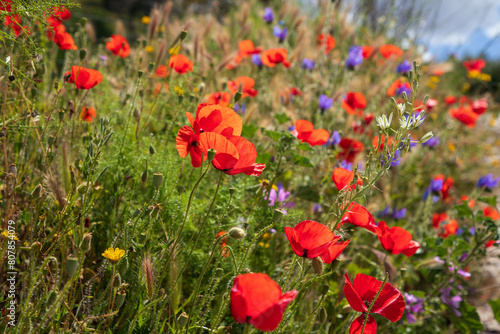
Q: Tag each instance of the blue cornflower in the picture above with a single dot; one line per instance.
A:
(268, 15)
(325, 103)
(355, 57)
(256, 60)
(488, 181)
(404, 67)
(280, 33)
(308, 64)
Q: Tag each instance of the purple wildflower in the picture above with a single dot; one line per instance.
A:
(488, 181)
(256, 60)
(308, 64)
(452, 301)
(355, 57)
(413, 306)
(268, 15)
(280, 33)
(433, 142)
(404, 67)
(325, 103)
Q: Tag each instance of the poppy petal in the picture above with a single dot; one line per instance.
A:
(334, 251)
(293, 238)
(353, 297)
(357, 325)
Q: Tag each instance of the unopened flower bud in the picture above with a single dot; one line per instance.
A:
(85, 244)
(83, 54)
(322, 316)
(83, 21)
(151, 149)
(277, 215)
(144, 176)
(182, 319)
(317, 265)
(211, 154)
(183, 35)
(426, 137)
(120, 299)
(53, 296)
(140, 73)
(237, 233)
(237, 96)
(151, 67)
(117, 280)
(232, 191)
(71, 265)
(13, 169)
(157, 179)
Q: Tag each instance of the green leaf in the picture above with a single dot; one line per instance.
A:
(249, 130)
(274, 135)
(304, 147)
(282, 118)
(469, 321)
(263, 158)
(488, 200)
(308, 193)
(495, 307)
(463, 210)
(302, 161)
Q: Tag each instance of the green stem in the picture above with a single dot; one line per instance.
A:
(373, 302)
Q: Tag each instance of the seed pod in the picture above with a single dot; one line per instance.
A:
(232, 191)
(157, 179)
(71, 265)
(211, 154)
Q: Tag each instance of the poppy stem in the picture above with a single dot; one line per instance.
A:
(373, 302)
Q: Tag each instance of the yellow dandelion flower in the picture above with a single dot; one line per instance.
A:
(434, 79)
(145, 19)
(179, 90)
(266, 245)
(149, 49)
(261, 244)
(473, 74)
(113, 255)
(451, 147)
(485, 77)
(7, 235)
(196, 89)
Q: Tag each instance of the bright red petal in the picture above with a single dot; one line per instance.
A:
(334, 251)
(352, 296)
(293, 238)
(357, 325)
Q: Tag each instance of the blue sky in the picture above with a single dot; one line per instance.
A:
(463, 28)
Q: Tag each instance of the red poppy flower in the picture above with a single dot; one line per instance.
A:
(350, 149)
(222, 98)
(63, 39)
(181, 64)
(6, 6)
(272, 57)
(491, 213)
(480, 106)
(247, 48)
(390, 142)
(390, 50)
(61, 13)
(223, 243)
(327, 42)
(490, 243)
(447, 184)
(358, 215)
(14, 22)
(334, 251)
(258, 300)
(367, 51)
(474, 64)
(465, 115)
(397, 240)
(119, 46)
(449, 100)
(450, 229)
(162, 71)
(244, 85)
(234, 154)
(438, 218)
(343, 177)
(390, 302)
(209, 118)
(88, 114)
(353, 101)
(398, 84)
(307, 134)
(310, 239)
(84, 78)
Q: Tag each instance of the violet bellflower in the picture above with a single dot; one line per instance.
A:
(488, 181)
(268, 15)
(325, 103)
(280, 33)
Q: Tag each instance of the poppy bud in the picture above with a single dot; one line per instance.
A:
(183, 35)
(277, 215)
(117, 280)
(136, 114)
(325, 289)
(83, 21)
(71, 265)
(86, 242)
(83, 54)
(232, 191)
(237, 96)
(322, 316)
(151, 149)
(151, 67)
(144, 176)
(37, 192)
(219, 272)
(120, 299)
(211, 154)
(61, 115)
(317, 265)
(13, 169)
(157, 179)
(237, 233)
(182, 319)
(53, 296)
